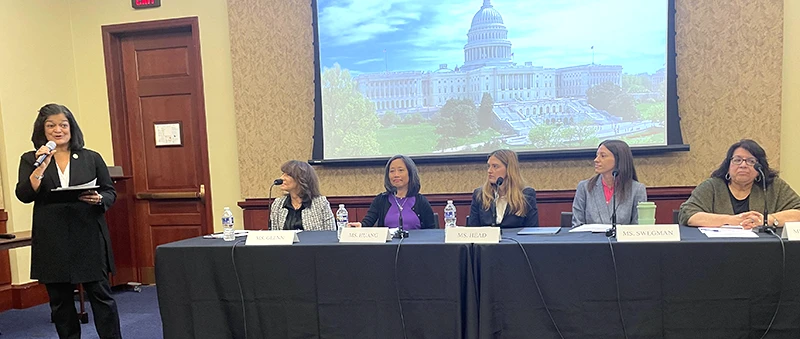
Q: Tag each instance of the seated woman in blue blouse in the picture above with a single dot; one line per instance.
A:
(592, 204)
(516, 202)
(402, 198)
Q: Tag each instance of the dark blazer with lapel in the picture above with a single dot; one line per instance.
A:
(480, 217)
(70, 240)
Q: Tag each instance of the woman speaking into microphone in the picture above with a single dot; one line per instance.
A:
(70, 242)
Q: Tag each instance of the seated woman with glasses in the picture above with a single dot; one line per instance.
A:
(734, 194)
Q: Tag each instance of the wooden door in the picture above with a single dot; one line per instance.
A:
(160, 132)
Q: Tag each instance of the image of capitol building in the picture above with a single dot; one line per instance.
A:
(524, 95)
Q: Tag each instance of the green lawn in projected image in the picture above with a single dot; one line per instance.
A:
(420, 138)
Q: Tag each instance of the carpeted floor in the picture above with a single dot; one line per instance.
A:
(139, 318)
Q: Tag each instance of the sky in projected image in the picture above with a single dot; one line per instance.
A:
(428, 77)
(421, 34)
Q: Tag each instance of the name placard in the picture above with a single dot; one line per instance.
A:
(472, 235)
(792, 230)
(374, 235)
(271, 238)
(644, 233)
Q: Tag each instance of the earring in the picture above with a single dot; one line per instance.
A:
(728, 176)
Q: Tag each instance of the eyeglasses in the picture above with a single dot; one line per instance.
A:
(738, 161)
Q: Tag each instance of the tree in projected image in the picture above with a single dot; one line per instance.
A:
(613, 99)
(389, 119)
(485, 114)
(457, 119)
(548, 136)
(583, 134)
(349, 117)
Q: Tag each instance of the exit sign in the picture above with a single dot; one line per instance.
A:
(139, 4)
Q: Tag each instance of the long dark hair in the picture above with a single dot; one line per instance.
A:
(38, 138)
(414, 184)
(623, 164)
(755, 149)
(305, 176)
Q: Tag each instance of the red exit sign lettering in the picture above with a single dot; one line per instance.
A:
(138, 4)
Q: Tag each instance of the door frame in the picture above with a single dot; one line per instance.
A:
(112, 50)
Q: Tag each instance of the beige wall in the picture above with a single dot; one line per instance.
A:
(37, 67)
(790, 117)
(729, 83)
(52, 51)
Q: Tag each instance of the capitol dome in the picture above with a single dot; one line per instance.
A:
(487, 15)
(487, 40)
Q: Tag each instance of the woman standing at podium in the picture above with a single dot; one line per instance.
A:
(70, 241)
(593, 203)
(401, 201)
(302, 207)
(504, 199)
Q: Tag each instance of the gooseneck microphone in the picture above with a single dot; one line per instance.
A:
(400, 233)
(496, 196)
(766, 226)
(612, 232)
(51, 145)
(275, 182)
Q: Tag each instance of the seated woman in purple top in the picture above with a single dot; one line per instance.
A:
(401, 201)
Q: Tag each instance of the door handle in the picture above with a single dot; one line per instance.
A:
(174, 195)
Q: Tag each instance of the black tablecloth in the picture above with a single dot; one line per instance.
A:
(317, 289)
(696, 288)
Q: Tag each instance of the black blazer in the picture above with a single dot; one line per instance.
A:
(380, 206)
(70, 241)
(480, 217)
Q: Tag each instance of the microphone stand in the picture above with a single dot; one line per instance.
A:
(496, 195)
(612, 232)
(400, 233)
(269, 219)
(766, 227)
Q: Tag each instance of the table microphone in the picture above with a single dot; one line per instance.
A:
(400, 233)
(766, 227)
(494, 210)
(612, 232)
(278, 181)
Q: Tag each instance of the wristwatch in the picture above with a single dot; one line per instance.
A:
(39, 177)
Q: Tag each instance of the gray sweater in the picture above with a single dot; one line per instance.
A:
(591, 207)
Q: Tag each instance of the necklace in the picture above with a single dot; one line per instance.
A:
(399, 204)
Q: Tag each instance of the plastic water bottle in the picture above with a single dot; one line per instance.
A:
(341, 220)
(450, 214)
(227, 225)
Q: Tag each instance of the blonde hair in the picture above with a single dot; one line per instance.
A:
(513, 184)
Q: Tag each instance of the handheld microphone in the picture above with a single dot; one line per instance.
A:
(612, 232)
(51, 145)
(766, 226)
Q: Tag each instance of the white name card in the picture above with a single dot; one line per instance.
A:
(472, 235)
(792, 230)
(644, 233)
(374, 235)
(271, 238)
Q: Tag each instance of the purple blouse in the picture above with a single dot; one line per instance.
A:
(410, 219)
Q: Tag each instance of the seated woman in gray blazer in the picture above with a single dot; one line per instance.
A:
(302, 208)
(592, 204)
